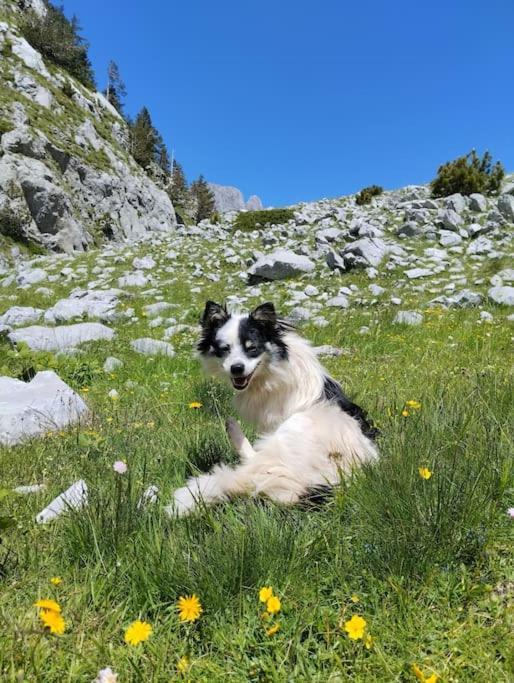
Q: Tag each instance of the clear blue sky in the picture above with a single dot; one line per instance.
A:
(302, 100)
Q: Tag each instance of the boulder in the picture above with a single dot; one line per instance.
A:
(99, 304)
(37, 407)
(408, 318)
(60, 338)
(367, 251)
(506, 206)
(152, 347)
(477, 202)
(503, 295)
(279, 265)
(21, 315)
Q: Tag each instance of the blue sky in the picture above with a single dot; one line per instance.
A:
(301, 100)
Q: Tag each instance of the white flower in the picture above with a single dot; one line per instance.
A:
(120, 467)
(106, 676)
(510, 512)
(113, 395)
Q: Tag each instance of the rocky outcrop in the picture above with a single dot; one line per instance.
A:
(67, 181)
(228, 198)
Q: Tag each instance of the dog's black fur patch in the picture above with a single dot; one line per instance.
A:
(214, 316)
(332, 392)
(260, 328)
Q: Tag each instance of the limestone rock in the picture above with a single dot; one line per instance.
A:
(60, 338)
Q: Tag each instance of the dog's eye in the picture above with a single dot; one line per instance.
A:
(251, 347)
(224, 349)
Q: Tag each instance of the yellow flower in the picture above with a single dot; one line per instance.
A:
(56, 580)
(355, 627)
(53, 620)
(421, 676)
(189, 608)
(183, 665)
(273, 604)
(48, 605)
(424, 472)
(369, 641)
(415, 405)
(195, 405)
(265, 593)
(355, 598)
(272, 630)
(405, 413)
(138, 632)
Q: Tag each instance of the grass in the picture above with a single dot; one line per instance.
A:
(427, 563)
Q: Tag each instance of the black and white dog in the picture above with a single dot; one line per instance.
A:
(311, 433)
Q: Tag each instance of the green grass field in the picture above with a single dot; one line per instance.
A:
(426, 562)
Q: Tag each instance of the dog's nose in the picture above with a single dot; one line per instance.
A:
(237, 369)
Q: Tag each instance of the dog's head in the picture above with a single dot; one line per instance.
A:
(241, 346)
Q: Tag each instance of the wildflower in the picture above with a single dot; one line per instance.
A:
(183, 665)
(273, 629)
(56, 580)
(273, 604)
(405, 413)
(355, 598)
(195, 405)
(415, 405)
(265, 593)
(138, 632)
(368, 642)
(113, 395)
(355, 627)
(421, 676)
(120, 467)
(48, 605)
(510, 512)
(424, 472)
(150, 424)
(106, 676)
(85, 390)
(189, 608)
(53, 620)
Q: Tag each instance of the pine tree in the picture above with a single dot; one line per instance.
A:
(115, 90)
(161, 156)
(203, 199)
(178, 190)
(143, 139)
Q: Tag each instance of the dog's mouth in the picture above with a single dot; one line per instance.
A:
(241, 383)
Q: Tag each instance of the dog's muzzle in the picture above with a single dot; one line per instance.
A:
(241, 383)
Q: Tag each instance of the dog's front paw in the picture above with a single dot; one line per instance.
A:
(235, 433)
(183, 503)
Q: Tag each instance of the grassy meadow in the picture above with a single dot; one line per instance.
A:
(426, 562)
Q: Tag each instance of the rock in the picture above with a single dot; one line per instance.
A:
(60, 338)
(449, 239)
(338, 302)
(334, 261)
(21, 315)
(451, 220)
(416, 273)
(503, 295)
(152, 310)
(228, 198)
(152, 347)
(482, 245)
(477, 202)
(327, 350)
(329, 235)
(30, 488)
(279, 265)
(506, 206)
(37, 407)
(145, 263)
(254, 203)
(456, 202)
(31, 277)
(396, 301)
(310, 290)
(74, 498)
(465, 298)
(111, 364)
(485, 315)
(408, 318)
(137, 279)
(376, 290)
(299, 314)
(367, 251)
(94, 303)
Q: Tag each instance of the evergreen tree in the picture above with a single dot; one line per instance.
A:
(178, 190)
(58, 39)
(115, 90)
(203, 199)
(143, 138)
(161, 156)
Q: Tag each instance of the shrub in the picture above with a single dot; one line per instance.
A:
(468, 174)
(251, 220)
(367, 194)
(58, 39)
(5, 126)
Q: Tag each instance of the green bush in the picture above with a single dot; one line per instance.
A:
(367, 194)
(5, 126)
(468, 174)
(252, 220)
(58, 39)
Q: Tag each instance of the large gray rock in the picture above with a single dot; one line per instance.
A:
(408, 318)
(279, 265)
(44, 404)
(465, 298)
(21, 315)
(477, 202)
(502, 295)
(61, 338)
(506, 206)
(367, 251)
(227, 198)
(152, 347)
(451, 220)
(94, 303)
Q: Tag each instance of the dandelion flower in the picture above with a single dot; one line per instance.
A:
(189, 608)
(48, 605)
(195, 405)
(120, 467)
(433, 678)
(405, 413)
(355, 627)
(424, 472)
(106, 676)
(355, 598)
(272, 630)
(53, 620)
(56, 580)
(138, 632)
(415, 405)
(183, 665)
(369, 641)
(273, 604)
(265, 593)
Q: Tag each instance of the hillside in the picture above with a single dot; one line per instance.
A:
(67, 180)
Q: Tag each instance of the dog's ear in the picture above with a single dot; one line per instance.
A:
(265, 313)
(214, 315)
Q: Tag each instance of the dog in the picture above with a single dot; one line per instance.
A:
(311, 433)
